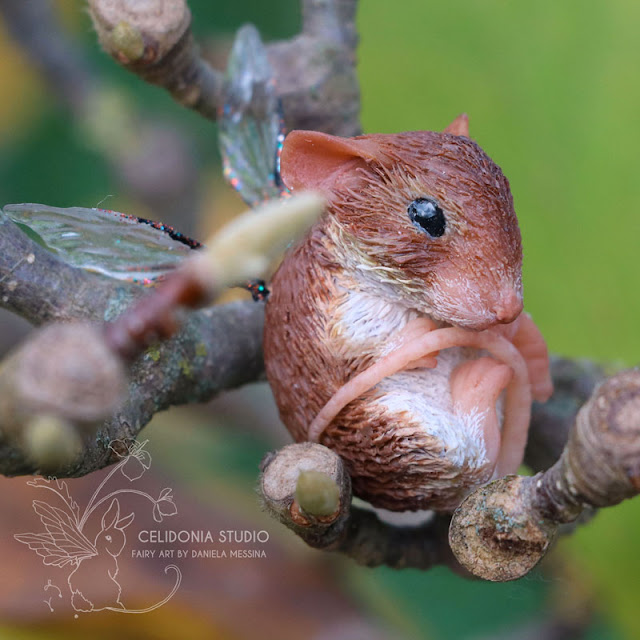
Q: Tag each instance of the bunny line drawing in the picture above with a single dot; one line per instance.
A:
(65, 544)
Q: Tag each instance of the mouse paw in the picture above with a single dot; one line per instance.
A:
(475, 387)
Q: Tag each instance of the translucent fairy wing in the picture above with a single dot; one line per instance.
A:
(251, 129)
(63, 541)
(114, 244)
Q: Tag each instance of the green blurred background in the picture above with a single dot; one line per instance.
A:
(553, 93)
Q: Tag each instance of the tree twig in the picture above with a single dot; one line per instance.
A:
(356, 532)
(503, 529)
(573, 383)
(315, 71)
(216, 348)
(74, 372)
(41, 288)
(155, 42)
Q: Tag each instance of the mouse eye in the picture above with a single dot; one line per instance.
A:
(427, 214)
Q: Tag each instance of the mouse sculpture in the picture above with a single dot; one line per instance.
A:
(394, 331)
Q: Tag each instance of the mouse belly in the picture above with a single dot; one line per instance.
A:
(406, 446)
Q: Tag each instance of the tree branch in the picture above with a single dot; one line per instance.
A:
(502, 530)
(41, 288)
(514, 529)
(217, 348)
(573, 383)
(315, 71)
(356, 532)
(72, 373)
(156, 43)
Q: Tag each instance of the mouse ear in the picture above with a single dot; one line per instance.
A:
(314, 160)
(460, 126)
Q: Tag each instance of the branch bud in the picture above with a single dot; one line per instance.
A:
(51, 443)
(64, 371)
(126, 42)
(306, 487)
(317, 493)
(122, 25)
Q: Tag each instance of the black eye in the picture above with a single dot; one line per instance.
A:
(426, 214)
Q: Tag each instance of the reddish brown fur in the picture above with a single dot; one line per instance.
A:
(370, 180)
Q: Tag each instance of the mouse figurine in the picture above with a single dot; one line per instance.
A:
(395, 333)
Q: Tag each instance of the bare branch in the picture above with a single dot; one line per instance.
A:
(217, 348)
(331, 20)
(41, 288)
(156, 43)
(503, 529)
(56, 384)
(573, 383)
(315, 71)
(73, 373)
(360, 534)
(356, 532)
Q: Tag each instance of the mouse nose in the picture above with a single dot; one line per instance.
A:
(509, 306)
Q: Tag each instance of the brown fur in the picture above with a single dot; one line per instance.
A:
(370, 180)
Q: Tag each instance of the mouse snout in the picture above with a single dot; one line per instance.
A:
(508, 307)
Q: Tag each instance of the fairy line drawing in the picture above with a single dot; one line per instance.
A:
(64, 542)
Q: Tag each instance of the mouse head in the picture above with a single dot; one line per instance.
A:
(428, 216)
